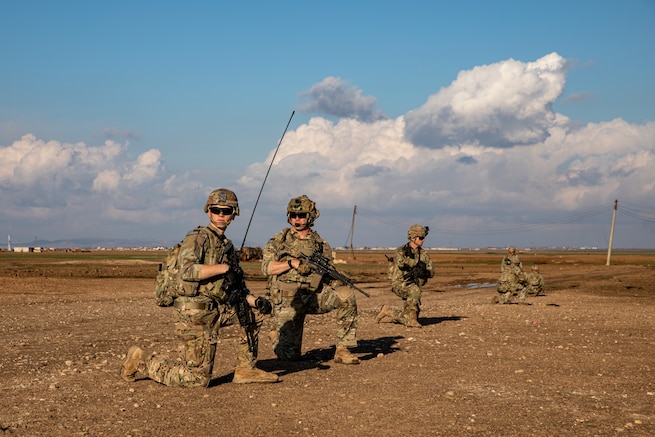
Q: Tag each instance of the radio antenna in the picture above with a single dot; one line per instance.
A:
(265, 177)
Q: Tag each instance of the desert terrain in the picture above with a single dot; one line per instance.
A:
(578, 361)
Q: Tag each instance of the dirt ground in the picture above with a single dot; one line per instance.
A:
(578, 361)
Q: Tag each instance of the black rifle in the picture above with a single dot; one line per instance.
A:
(323, 267)
(419, 273)
(237, 292)
(234, 285)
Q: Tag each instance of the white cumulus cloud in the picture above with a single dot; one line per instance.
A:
(483, 157)
(499, 105)
(455, 161)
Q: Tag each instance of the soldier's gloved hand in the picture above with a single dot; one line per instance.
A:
(263, 305)
(305, 268)
(421, 270)
(230, 280)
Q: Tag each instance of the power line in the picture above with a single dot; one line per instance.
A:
(577, 217)
(636, 214)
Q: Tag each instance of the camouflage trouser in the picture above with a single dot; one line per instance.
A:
(289, 312)
(508, 289)
(198, 331)
(534, 289)
(411, 296)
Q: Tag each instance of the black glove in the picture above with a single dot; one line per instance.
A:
(263, 305)
(230, 280)
(421, 270)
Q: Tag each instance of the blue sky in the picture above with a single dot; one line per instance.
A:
(494, 123)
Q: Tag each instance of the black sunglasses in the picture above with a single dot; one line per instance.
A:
(297, 215)
(421, 238)
(225, 211)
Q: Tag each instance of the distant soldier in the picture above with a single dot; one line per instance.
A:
(511, 260)
(535, 282)
(409, 270)
(512, 279)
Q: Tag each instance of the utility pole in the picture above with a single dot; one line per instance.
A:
(609, 248)
(352, 231)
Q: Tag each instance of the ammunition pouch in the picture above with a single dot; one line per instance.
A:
(187, 288)
(315, 282)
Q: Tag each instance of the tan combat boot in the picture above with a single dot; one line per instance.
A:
(342, 355)
(384, 312)
(244, 374)
(412, 320)
(134, 362)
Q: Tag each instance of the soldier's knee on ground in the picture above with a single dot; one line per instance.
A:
(346, 295)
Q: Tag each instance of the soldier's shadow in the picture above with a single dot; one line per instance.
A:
(223, 379)
(373, 348)
(426, 321)
(319, 358)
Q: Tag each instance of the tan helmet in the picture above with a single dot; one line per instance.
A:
(303, 204)
(223, 196)
(535, 268)
(511, 249)
(417, 231)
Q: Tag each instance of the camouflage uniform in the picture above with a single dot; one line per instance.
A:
(199, 311)
(512, 278)
(535, 282)
(404, 259)
(199, 316)
(511, 261)
(295, 295)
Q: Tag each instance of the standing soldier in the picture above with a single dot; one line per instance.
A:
(511, 261)
(205, 305)
(512, 279)
(409, 270)
(297, 289)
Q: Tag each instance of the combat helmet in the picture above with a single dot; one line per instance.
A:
(303, 204)
(417, 231)
(223, 196)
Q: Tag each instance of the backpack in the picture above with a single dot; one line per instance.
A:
(167, 283)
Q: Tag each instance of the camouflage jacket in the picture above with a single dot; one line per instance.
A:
(286, 245)
(534, 279)
(509, 263)
(203, 246)
(404, 259)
